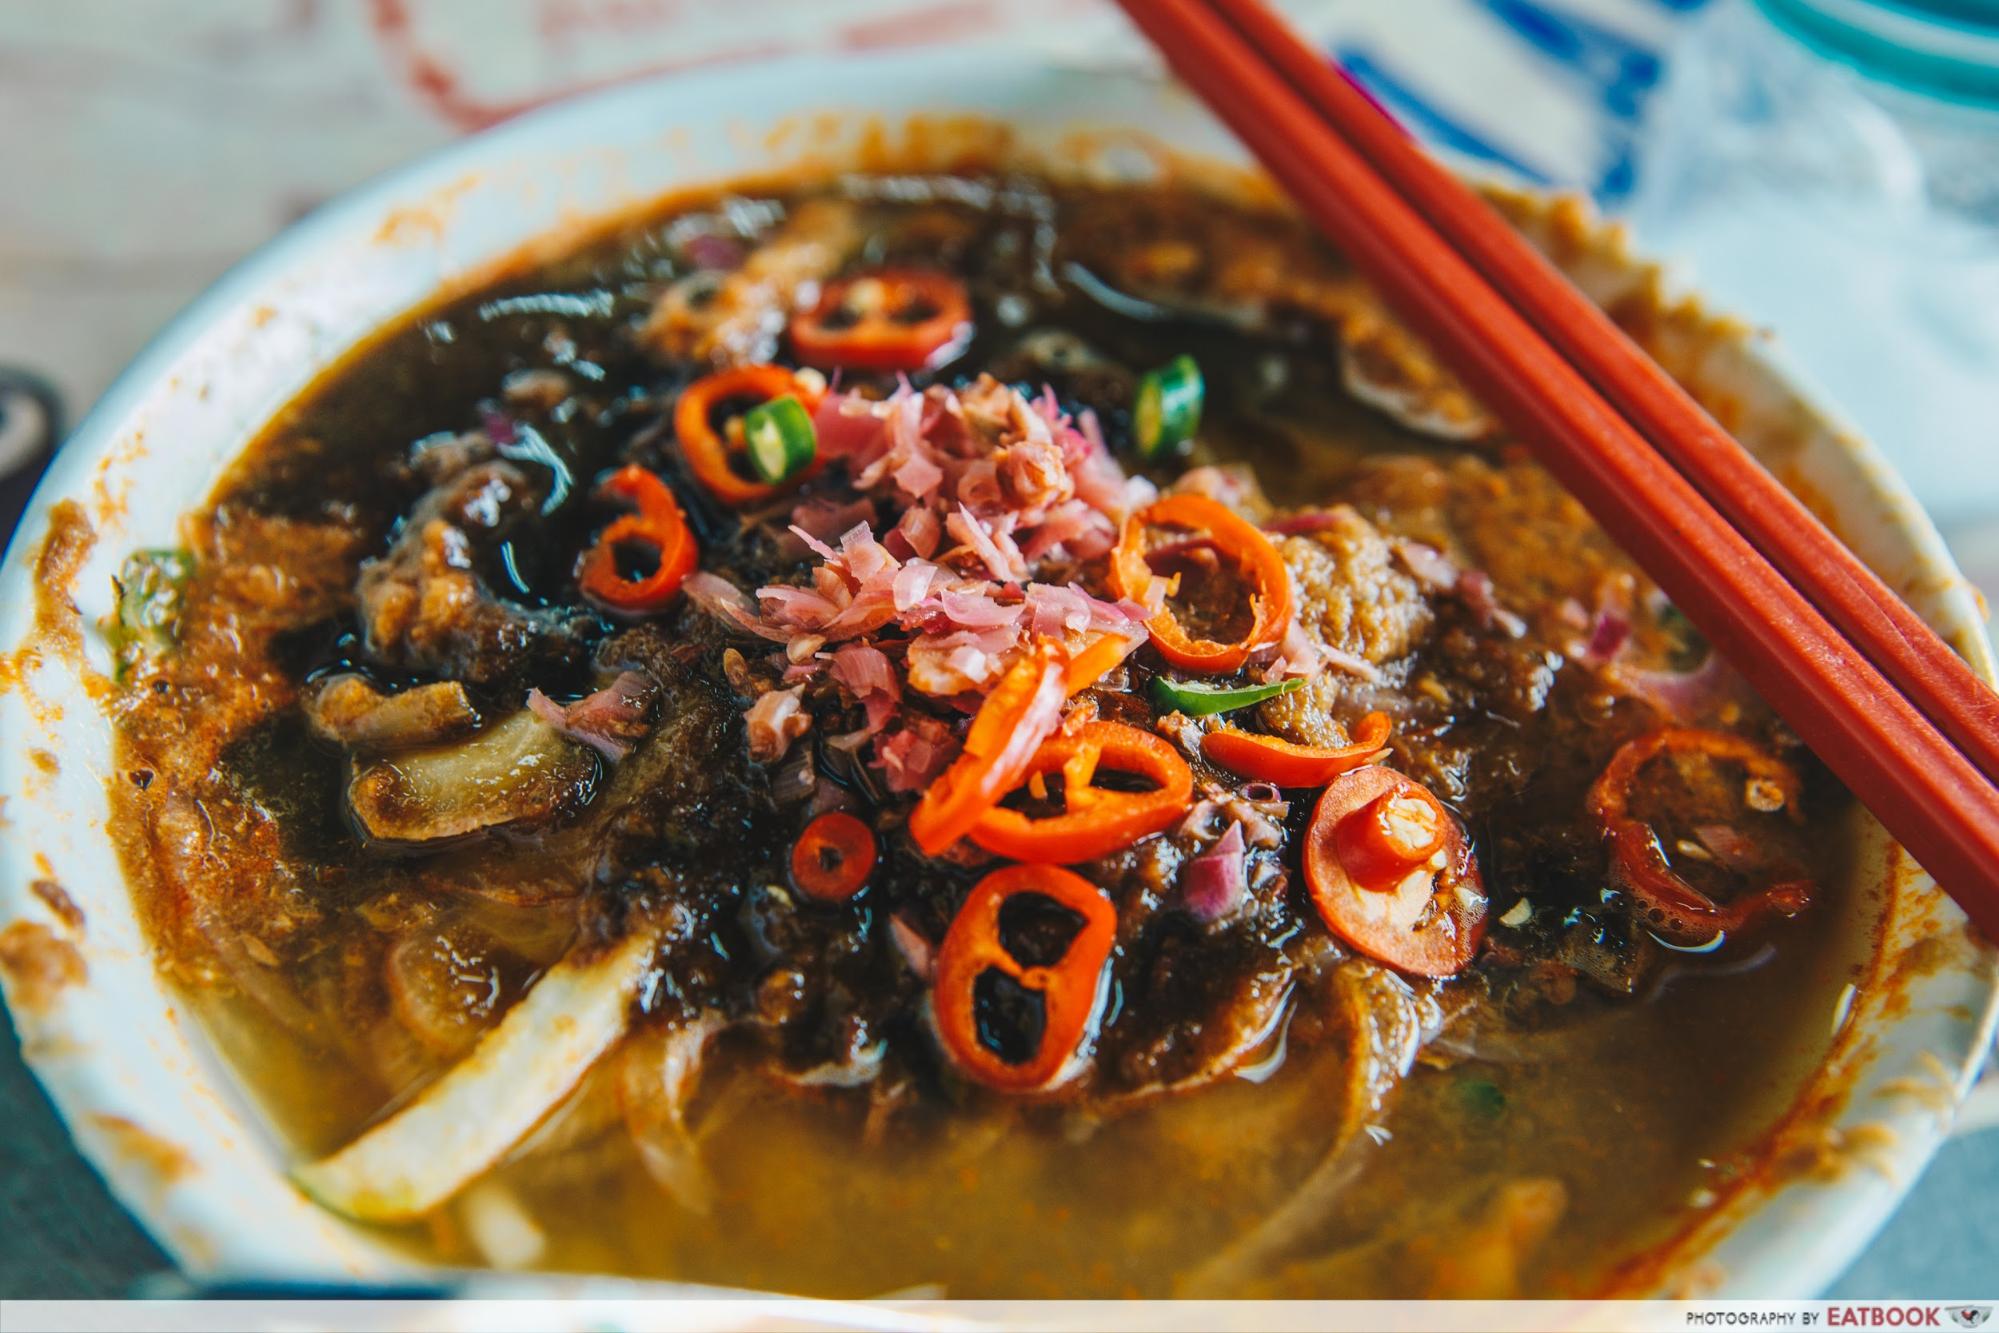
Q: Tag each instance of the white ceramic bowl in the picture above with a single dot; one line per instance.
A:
(138, 1083)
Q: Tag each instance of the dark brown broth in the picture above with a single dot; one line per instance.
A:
(1632, 1106)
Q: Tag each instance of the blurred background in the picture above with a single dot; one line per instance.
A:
(1825, 168)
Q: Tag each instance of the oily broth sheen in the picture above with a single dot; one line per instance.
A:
(1637, 1110)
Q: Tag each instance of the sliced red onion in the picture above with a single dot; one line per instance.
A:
(1427, 565)
(1353, 664)
(499, 427)
(982, 541)
(706, 250)
(1303, 524)
(867, 674)
(922, 529)
(611, 721)
(826, 516)
(915, 948)
(725, 601)
(797, 673)
(1608, 635)
(1200, 818)
(1475, 589)
(1213, 884)
(1681, 695)
(974, 610)
(1261, 825)
(912, 757)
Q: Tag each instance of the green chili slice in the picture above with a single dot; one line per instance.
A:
(1482, 1097)
(780, 439)
(151, 585)
(1199, 700)
(1167, 411)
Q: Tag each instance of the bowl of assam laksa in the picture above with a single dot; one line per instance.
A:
(831, 685)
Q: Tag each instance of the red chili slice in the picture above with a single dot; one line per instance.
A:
(703, 441)
(1070, 987)
(1676, 910)
(1022, 711)
(1274, 759)
(832, 859)
(656, 523)
(1257, 562)
(1094, 821)
(891, 319)
(1393, 875)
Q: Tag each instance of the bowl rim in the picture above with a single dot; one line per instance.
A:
(176, 1216)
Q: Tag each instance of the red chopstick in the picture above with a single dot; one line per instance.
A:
(1927, 793)
(1789, 535)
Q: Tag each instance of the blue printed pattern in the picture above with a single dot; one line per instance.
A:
(1597, 60)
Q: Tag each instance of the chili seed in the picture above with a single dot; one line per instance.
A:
(1763, 795)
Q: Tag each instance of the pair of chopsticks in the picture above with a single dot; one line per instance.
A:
(1879, 697)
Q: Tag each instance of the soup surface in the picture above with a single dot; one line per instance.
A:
(967, 733)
